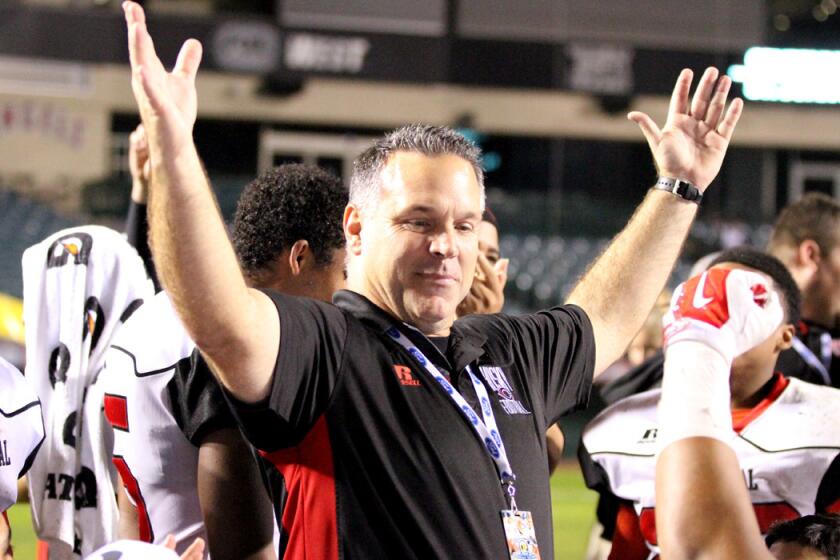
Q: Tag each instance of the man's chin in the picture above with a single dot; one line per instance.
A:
(433, 313)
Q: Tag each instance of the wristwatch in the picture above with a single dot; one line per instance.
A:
(680, 188)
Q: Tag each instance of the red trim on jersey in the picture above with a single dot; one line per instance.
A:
(42, 551)
(628, 542)
(309, 517)
(833, 507)
(772, 513)
(647, 525)
(741, 418)
(133, 488)
(116, 411)
(767, 515)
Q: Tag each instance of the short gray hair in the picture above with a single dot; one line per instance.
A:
(425, 139)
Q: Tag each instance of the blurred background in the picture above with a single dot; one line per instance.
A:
(542, 86)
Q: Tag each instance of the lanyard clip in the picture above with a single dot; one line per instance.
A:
(508, 487)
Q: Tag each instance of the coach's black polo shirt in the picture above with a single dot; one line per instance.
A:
(377, 460)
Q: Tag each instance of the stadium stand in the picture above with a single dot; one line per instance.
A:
(23, 222)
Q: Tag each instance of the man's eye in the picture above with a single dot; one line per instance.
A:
(493, 258)
(417, 224)
(465, 227)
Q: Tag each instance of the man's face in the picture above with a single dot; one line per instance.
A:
(419, 244)
(792, 551)
(826, 285)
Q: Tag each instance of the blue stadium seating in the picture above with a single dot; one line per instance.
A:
(22, 223)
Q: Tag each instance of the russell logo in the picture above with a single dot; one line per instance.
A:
(405, 376)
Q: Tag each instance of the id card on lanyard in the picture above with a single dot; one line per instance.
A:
(518, 525)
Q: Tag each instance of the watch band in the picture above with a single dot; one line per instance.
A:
(680, 188)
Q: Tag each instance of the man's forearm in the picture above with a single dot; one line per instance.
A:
(195, 260)
(621, 287)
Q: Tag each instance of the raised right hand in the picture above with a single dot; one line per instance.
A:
(167, 100)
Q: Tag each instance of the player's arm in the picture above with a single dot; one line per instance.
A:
(703, 510)
(230, 490)
(236, 328)
(129, 526)
(622, 285)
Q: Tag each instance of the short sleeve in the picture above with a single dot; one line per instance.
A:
(198, 405)
(558, 348)
(312, 340)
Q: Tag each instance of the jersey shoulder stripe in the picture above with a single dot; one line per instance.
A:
(804, 416)
(153, 338)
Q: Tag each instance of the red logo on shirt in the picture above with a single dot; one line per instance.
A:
(405, 376)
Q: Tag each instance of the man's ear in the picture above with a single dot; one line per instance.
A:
(785, 338)
(299, 256)
(809, 255)
(353, 229)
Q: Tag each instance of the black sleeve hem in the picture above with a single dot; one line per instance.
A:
(137, 235)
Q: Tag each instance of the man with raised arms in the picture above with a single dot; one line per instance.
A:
(424, 436)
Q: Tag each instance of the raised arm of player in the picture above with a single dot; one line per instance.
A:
(621, 287)
(703, 510)
(236, 328)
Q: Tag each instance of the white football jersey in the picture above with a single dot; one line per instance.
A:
(21, 430)
(788, 448)
(156, 461)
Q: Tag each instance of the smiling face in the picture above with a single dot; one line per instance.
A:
(413, 253)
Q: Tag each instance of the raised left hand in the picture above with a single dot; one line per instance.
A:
(693, 142)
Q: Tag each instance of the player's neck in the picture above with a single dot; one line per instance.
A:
(748, 391)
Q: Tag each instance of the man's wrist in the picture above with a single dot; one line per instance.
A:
(679, 187)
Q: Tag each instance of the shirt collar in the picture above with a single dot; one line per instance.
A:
(467, 341)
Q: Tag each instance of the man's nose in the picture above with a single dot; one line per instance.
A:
(444, 245)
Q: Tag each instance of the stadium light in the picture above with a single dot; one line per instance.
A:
(789, 75)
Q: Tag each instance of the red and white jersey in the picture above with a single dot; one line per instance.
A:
(21, 430)
(155, 459)
(788, 447)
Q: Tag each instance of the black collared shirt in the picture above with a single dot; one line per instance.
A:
(377, 461)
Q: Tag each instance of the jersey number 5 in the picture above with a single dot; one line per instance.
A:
(116, 411)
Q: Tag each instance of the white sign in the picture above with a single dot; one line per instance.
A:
(247, 46)
(605, 69)
(324, 53)
(789, 75)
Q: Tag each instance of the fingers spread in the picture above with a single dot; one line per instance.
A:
(189, 59)
(705, 87)
(141, 48)
(679, 98)
(718, 102)
(727, 126)
(649, 128)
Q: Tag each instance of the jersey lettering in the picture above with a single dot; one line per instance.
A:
(5, 460)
